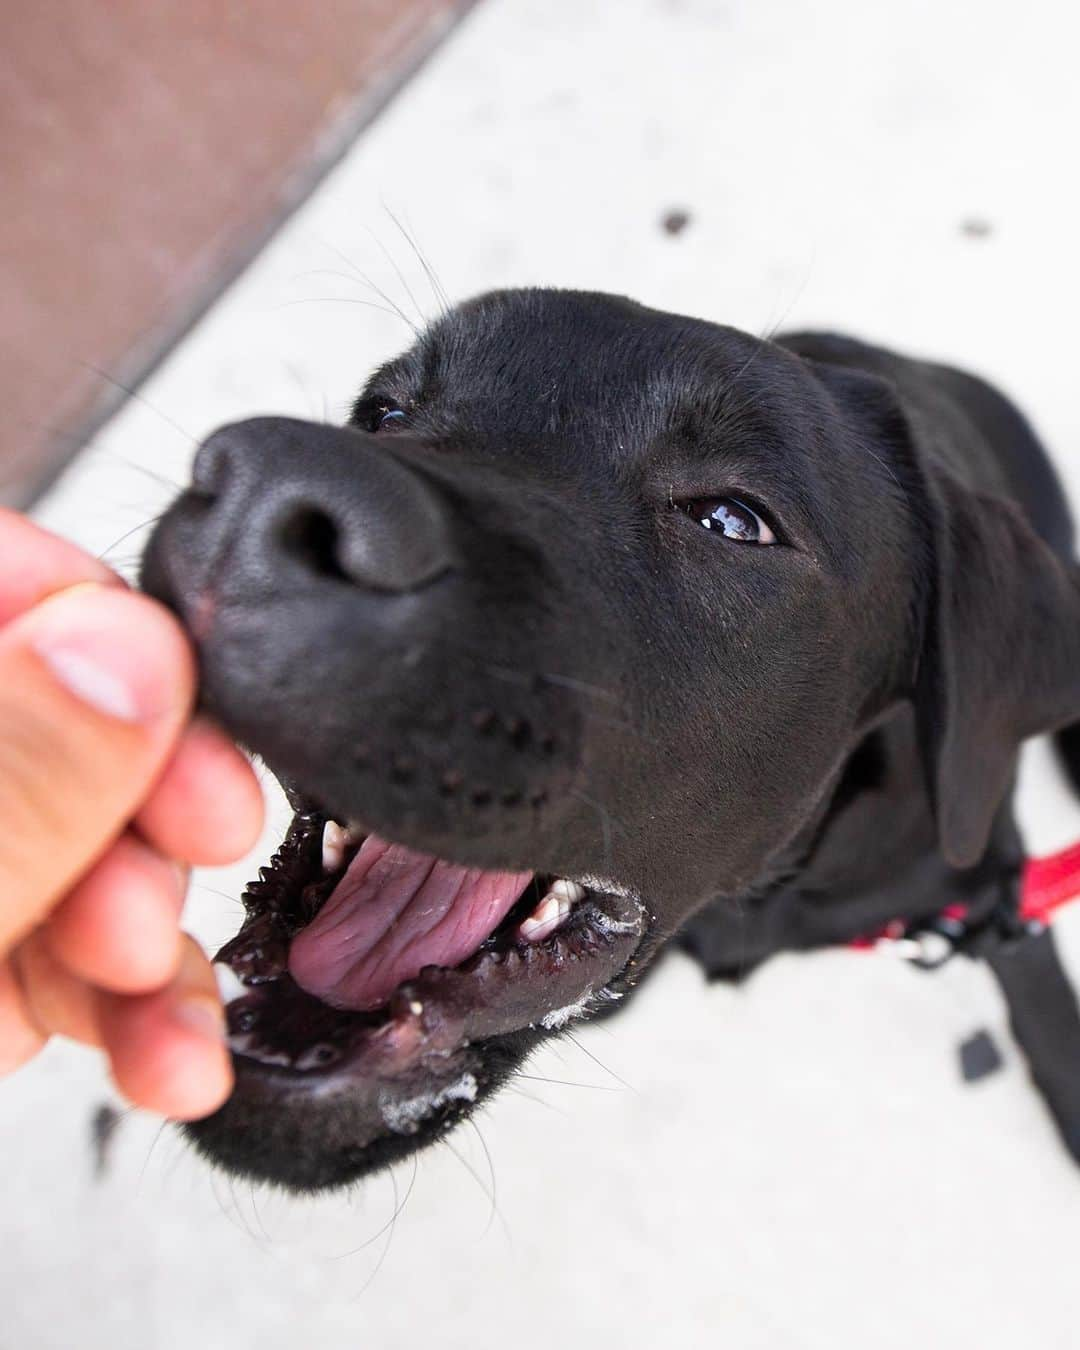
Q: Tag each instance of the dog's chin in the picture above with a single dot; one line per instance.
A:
(375, 995)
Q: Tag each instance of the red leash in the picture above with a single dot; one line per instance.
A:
(1050, 882)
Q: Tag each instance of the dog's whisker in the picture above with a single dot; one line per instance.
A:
(487, 1191)
(345, 300)
(367, 281)
(229, 1210)
(395, 1213)
(143, 525)
(886, 466)
(133, 393)
(574, 1040)
(391, 1228)
(241, 1214)
(580, 687)
(212, 890)
(398, 273)
(171, 483)
(150, 1151)
(78, 443)
(364, 279)
(566, 1082)
(770, 330)
(258, 1217)
(762, 344)
(354, 279)
(607, 819)
(494, 1186)
(512, 1086)
(764, 338)
(294, 374)
(441, 297)
(528, 680)
(594, 691)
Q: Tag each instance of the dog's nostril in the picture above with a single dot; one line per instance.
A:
(313, 538)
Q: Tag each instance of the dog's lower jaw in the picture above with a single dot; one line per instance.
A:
(309, 1142)
(326, 1094)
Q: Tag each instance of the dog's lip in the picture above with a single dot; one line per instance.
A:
(411, 1050)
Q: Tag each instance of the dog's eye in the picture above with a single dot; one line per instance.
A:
(730, 517)
(388, 417)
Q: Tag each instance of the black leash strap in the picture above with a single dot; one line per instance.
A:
(1045, 1020)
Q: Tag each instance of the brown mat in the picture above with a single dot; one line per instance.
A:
(146, 150)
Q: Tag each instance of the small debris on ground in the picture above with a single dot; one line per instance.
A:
(103, 1125)
(979, 1057)
(675, 220)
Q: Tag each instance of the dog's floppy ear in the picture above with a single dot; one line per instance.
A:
(1000, 657)
(998, 642)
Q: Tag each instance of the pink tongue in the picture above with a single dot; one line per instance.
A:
(392, 913)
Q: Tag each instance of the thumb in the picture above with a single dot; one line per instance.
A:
(96, 685)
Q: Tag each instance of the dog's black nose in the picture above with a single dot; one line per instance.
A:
(332, 500)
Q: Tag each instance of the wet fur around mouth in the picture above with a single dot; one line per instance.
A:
(483, 622)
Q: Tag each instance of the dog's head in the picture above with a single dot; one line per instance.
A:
(568, 632)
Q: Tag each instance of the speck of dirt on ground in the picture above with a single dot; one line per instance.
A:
(675, 220)
(103, 1124)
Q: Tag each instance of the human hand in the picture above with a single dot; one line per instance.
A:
(108, 791)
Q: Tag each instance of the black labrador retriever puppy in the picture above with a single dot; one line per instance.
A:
(599, 627)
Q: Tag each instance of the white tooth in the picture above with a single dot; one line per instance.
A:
(334, 840)
(545, 918)
(229, 984)
(570, 889)
(355, 832)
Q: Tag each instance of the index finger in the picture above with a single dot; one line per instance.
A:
(37, 563)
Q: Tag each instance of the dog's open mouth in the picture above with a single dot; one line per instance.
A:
(363, 960)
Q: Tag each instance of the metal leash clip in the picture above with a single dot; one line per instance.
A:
(928, 947)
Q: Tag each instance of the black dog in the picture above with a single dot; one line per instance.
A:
(620, 626)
